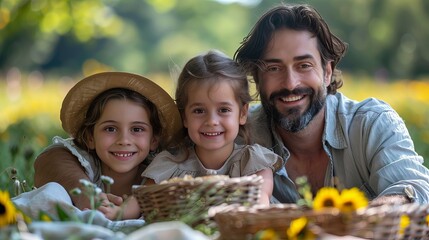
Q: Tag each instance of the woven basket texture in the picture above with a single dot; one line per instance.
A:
(381, 222)
(176, 200)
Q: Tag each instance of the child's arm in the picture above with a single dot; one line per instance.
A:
(59, 165)
(267, 186)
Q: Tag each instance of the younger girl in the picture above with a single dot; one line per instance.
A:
(213, 99)
(115, 120)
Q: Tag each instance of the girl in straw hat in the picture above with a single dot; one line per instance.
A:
(115, 120)
(213, 98)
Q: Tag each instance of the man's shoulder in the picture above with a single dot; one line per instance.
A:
(344, 105)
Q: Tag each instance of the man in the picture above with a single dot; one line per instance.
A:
(332, 140)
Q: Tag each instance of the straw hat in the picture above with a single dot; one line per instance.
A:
(78, 99)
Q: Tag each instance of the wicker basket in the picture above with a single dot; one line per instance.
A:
(193, 198)
(382, 222)
(237, 223)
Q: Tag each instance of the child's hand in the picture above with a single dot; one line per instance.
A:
(111, 206)
(115, 208)
(114, 199)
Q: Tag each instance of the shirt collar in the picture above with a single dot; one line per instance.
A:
(334, 133)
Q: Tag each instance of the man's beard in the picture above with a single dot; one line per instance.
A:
(292, 120)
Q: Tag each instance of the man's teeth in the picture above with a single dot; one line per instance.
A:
(123, 154)
(212, 134)
(291, 99)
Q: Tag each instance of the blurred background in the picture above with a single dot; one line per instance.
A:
(48, 45)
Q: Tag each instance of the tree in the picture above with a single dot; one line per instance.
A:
(70, 37)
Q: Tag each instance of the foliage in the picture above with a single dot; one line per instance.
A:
(19, 145)
(386, 38)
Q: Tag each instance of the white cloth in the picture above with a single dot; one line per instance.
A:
(49, 195)
(173, 230)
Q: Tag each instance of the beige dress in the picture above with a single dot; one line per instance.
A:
(245, 160)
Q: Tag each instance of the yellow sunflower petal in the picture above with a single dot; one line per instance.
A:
(352, 199)
(268, 234)
(45, 218)
(327, 197)
(404, 223)
(297, 228)
(7, 209)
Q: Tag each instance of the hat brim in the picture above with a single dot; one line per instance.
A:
(78, 99)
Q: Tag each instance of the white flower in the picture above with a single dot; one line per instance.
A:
(98, 190)
(75, 191)
(85, 182)
(107, 180)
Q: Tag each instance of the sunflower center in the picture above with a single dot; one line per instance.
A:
(2, 209)
(328, 203)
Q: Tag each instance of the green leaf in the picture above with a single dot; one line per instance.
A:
(63, 216)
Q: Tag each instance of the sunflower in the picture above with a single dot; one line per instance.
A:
(352, 199)
(299, 229)
(267, 234)
(7, 209)
(327, 197)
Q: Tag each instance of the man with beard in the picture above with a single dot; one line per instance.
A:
(321, 134)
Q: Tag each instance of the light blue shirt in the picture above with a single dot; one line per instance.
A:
(368, 145)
